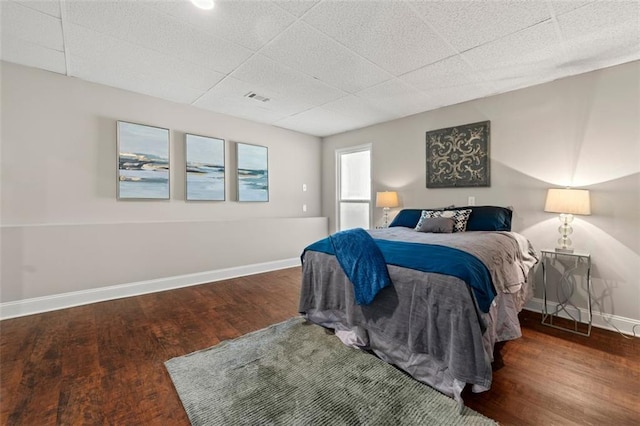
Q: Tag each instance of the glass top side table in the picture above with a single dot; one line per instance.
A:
(565, 308)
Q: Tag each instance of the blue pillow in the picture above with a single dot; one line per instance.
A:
(409, 217)
(482, 218)
(488, 218)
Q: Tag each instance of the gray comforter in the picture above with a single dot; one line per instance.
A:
(507, 255)
(426, 323)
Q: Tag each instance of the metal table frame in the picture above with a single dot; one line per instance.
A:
(562, 305)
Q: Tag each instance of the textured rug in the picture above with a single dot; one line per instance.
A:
(295, 373)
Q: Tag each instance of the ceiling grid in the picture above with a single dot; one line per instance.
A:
(327, 67)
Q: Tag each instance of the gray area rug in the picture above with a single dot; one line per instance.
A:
(295, 373)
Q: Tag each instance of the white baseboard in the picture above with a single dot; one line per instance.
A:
(600, 320)
(37, 305)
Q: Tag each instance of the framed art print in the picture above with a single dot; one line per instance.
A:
(143, 162)
(458, 156)
(205, 168)
(252, 172)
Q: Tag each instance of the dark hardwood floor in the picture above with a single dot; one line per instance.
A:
(103, 363)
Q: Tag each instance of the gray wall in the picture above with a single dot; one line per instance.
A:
(63, 230)
(582, 131)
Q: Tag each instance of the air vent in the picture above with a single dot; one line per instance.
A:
(257, 97)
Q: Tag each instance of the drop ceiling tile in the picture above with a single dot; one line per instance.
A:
(516, 83)
(467, 24)
(449, 72)
(133, 79)
(561, 7)
(389, 34)
(307, 50)
(603, 48)
(50, 7)
(144, 63)
(254, 113)
(32, 55)
(317, 122)
(265, 74)
(341, 115)
(250, 24)
(297, 7)
(599, 35)
(143, 26)
(397, 97)
(529, 46)
(18, 21)
(595, 17)
(231, 93)
(454, 95)
(359, 111)
(507, 78)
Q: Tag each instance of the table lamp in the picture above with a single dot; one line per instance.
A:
(386, 200)
(567, 202)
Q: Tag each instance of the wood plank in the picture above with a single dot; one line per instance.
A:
(104, 363)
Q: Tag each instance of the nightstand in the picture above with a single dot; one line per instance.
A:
(565, 289)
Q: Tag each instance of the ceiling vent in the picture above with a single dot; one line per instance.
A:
(257, 97)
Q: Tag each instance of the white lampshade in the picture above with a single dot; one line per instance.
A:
(568, 201)
(387, 199)
(203, 4)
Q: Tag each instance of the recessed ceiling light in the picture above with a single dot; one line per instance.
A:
(203, 4)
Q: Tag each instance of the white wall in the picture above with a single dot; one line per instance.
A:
(581, 131)
(62, 229)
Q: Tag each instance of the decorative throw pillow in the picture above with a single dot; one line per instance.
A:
(488, 218)
(409, 218)
(460, 218)
(437, 225)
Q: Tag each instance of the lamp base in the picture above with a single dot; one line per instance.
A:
(564, 242)
(564, 250)
(386, 217)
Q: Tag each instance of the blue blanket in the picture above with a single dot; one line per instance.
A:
(421, 257)
(360, 259)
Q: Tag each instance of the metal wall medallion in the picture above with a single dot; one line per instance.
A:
(458, 157)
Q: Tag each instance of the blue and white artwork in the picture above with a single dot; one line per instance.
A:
(205, 168)
(143, 162)
(253, 172)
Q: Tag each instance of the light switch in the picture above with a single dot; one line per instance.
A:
(304, 207)
(304, 187)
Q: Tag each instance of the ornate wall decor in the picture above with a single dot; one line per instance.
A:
(458, 156)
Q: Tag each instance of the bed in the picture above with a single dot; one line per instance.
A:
(431, 319)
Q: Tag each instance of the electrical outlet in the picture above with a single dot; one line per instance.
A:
(471, 201)
(304, 207)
